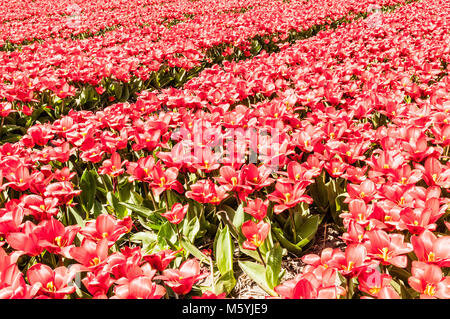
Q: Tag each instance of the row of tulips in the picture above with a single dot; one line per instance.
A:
(96, 71)
(175, 170)
(21, 10)
(89, 18)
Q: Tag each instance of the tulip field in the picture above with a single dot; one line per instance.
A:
(198, 149)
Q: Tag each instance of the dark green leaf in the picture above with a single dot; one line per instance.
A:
(88, 186)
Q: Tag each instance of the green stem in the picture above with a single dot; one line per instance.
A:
(213, 285)
(166, 198)
(1, 126)
(261, 257)
(115, 182)
(350, 288)
(294, 230)
(150, 192)
(178, 233)
(66, 215)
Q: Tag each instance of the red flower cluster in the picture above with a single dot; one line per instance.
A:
(351, 124)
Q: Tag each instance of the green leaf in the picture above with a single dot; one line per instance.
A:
(125, 94)
(399, 273)
(88, 186)
(137, 199)
(257, 273)
(227, 214)
(99, 209)
(308, 229)
(239, 217)
(141, 210)
(119, 209)
(273, 269)
(118, 90)
(191, 228)
(223, 250)
(167, 236)
(125, 191)
(248, 252)
(77, 216)
(319, 193)
(146, 239)
(225, 283)
(285, 242)
(193, 250)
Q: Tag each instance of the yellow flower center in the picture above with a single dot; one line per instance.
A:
(430, 290)
(349, 266)
(374, 290)
(257, 240)
(94, 261)
(50, 286)
(287, 197)
(58, 241)
(384, 253)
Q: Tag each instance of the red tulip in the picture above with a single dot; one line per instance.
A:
(165, 179)
(64, 191)
(181, 280)
(176, 215)
(372, 281)
(161, 259)
(431, 249)
(288, 195)
(257, 208)
(40, 208)
(90, 255)
(51, 283)
(56, 238)
(352, 262)
(428, 280)
(140, 287)
(255, 233)
(434, 173)
(107, 227)
(113, 166)
(210, 295)
(98, 283)
(205, 191)
(26, 241)
(296, 289)
(365, 191)
(388, 248)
